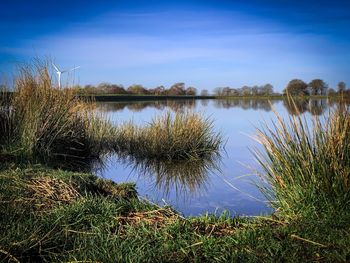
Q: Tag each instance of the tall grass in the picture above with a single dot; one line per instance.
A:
(170, 137)
(307, 165)
(4, 116)
(41, 122)
(49, 123)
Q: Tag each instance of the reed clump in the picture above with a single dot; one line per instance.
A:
(178, 136)
(307, 165)
(47, 123)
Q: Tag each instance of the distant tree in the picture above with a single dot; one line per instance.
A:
(137, 89)
(218, 91)
(160, 90)
(117, 89)
(341, 87)
(296, 87)
(226, 91)
(246, 90)
(266, 89)
(103, 87)
(331, 92)
(234, 92)
(191, 91)
(204, 92)
(89, 89)
(255, 90)
(318, 87)
(177, 89)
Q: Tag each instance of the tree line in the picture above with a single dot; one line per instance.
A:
(177, 89)
(298, 87)
(264, 90)
(295, 87)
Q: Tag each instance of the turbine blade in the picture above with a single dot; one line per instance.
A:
(55, 67)
(74, 68)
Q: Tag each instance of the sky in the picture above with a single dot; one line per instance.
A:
(206, 44)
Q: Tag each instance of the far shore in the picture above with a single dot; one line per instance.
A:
(118, 97)
(142, 97)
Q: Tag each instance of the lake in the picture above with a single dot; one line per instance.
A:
(197, 188)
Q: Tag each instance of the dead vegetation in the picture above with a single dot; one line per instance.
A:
(157, 218)
(45, 192)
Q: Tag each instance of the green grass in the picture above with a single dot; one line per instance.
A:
(307, 166)
(91, 220)
(183, 135)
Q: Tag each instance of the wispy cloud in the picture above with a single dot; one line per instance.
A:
(208, 48)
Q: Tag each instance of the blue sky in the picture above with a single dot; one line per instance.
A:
(205, 44)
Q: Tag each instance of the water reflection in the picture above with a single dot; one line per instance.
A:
(245, 104)
(296, 107)
(194, 187)
(186, 178)
(137, 106)
(300, 106)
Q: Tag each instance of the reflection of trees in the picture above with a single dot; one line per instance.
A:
(296, 107)
(139, 106)
(226, 103)
(317, 107)
(111, 106)
(136, 106)
(180, 105)
(255, 104)
(314, 106)
(340, 103)
(205, 103)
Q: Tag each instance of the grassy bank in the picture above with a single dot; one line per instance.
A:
(52, 215)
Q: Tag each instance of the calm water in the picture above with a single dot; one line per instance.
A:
(197, 188)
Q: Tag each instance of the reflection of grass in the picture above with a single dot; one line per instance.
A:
(307, 167)
(182, 136)
(185, 176)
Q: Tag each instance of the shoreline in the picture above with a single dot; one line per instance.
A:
(117, 98)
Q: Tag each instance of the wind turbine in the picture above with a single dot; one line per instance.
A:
(59, 73)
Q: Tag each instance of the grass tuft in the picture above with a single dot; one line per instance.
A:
(41, 122)
(176, 136)
(307, 165)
